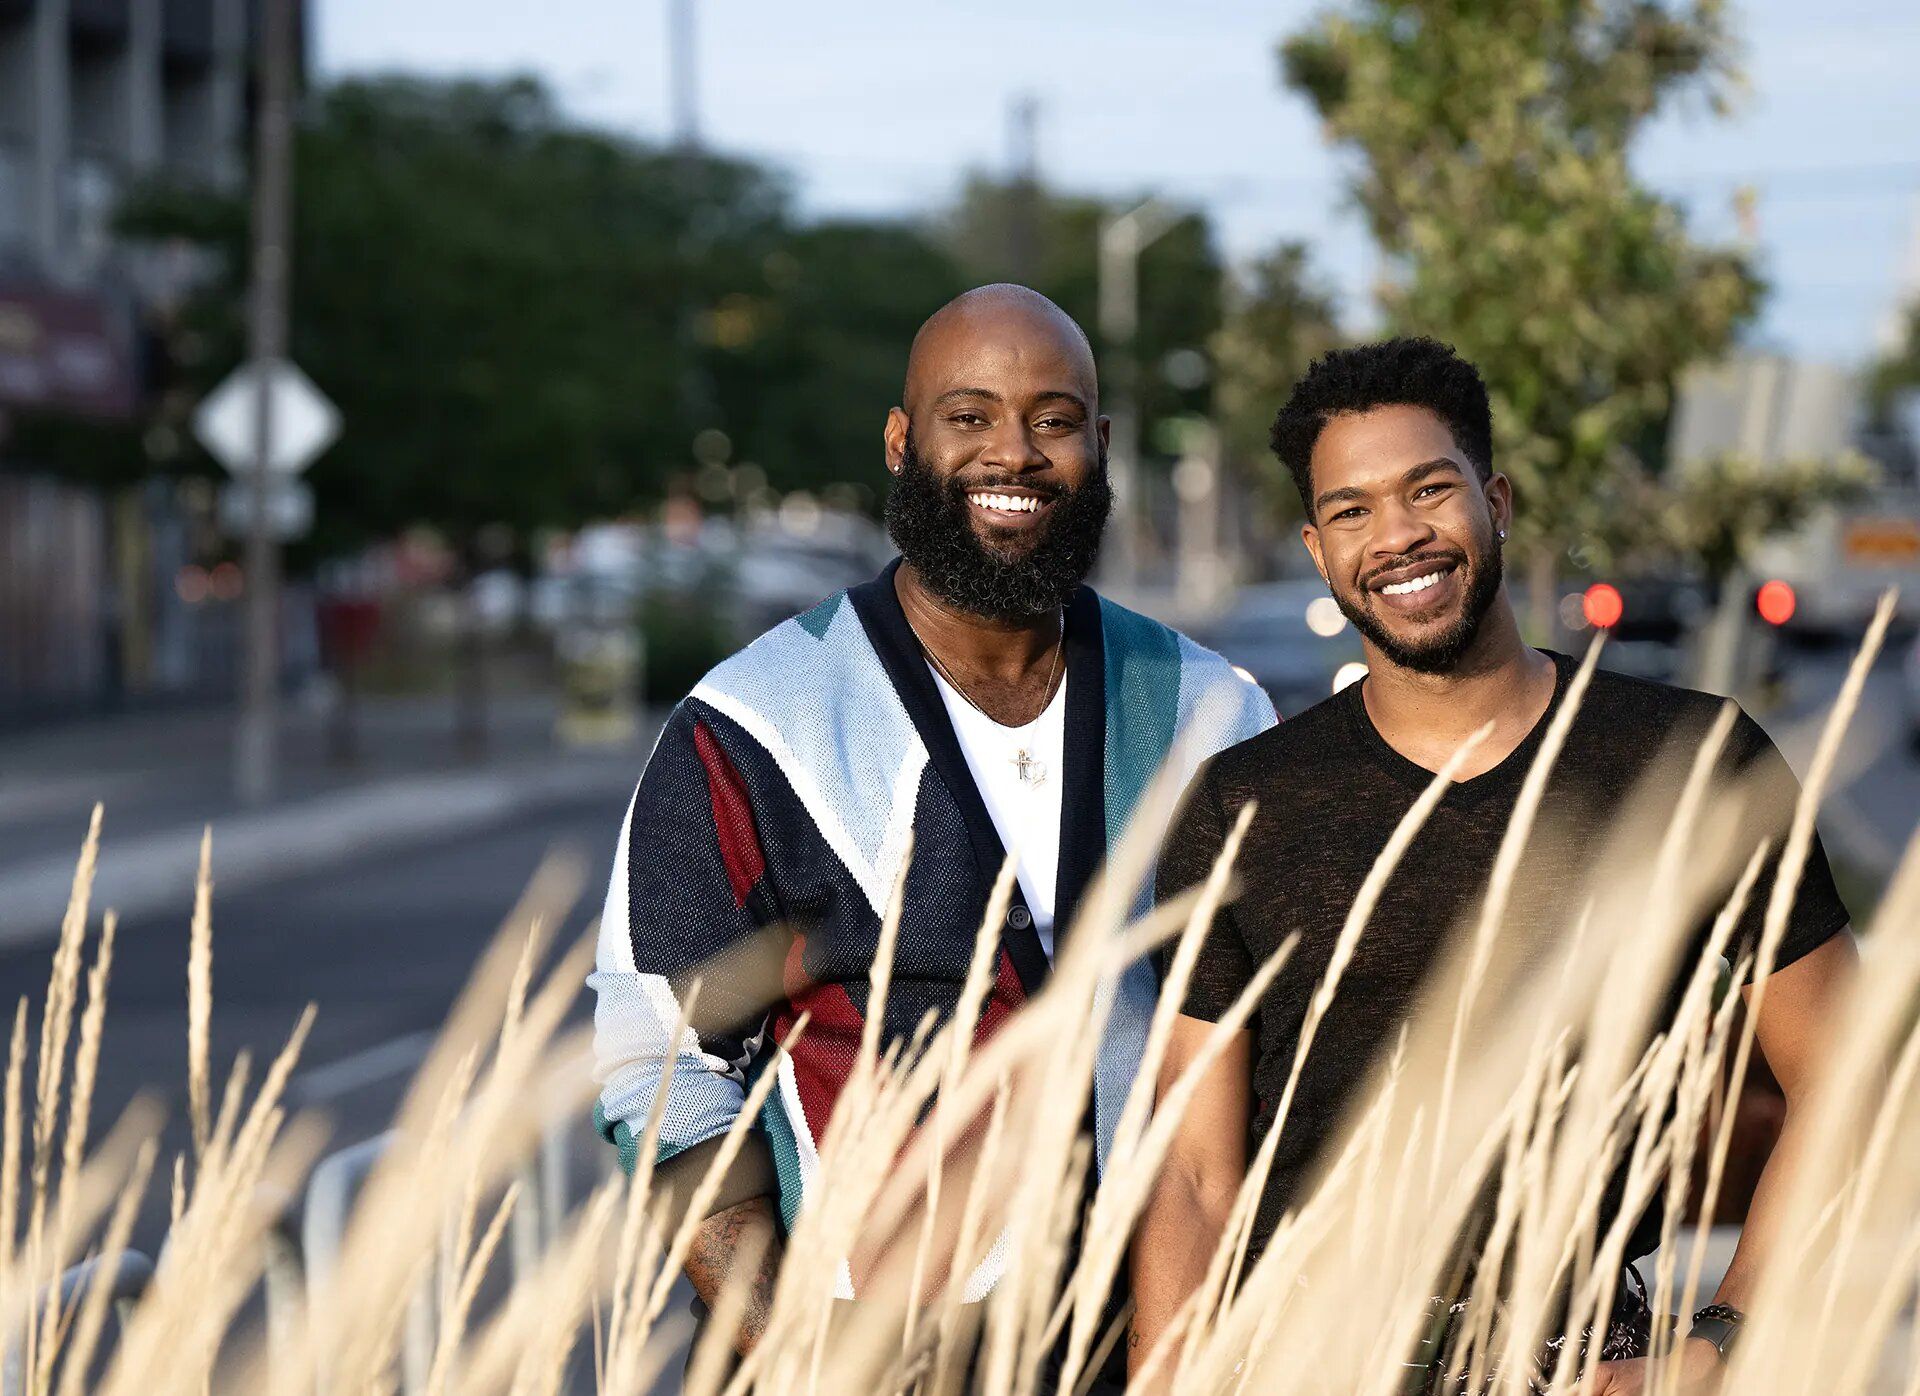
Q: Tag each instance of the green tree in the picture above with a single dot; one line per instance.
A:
(995, 225)
(1278, 321)
(1717, 512)
(806, 366)
(1493, 141)
(527, 323)
(496, 300)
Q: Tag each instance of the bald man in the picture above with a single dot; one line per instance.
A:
(975, 694)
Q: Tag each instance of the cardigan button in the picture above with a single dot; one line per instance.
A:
(1019, 917)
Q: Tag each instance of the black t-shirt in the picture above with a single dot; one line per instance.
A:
(1331, 791)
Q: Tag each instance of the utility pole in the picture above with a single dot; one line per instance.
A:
(51, 124)
(1023, 224)
(683, 76)
(258, 735)
(1122, 239)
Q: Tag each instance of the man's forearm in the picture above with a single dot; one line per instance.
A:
(1176, 1240)
(745, 1234)
(1758, 1234)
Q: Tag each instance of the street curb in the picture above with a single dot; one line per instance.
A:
(155, 872)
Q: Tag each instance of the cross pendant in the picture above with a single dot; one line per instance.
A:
(1029, 771)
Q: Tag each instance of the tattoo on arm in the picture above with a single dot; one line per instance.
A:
(723, 1242)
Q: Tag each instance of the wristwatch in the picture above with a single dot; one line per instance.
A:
(1718, 1324)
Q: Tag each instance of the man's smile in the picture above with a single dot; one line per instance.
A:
(1419, 586)
(1009, 506)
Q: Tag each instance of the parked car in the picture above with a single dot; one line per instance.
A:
(1658, 618)
(1842, 558)
(1269, 633)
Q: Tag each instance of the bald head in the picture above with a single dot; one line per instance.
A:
(1002, 323)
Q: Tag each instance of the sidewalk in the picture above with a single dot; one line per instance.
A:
(163, 777)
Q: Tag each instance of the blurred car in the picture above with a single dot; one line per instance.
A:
(1658, 618)
(1289, 637)
(1842, 558)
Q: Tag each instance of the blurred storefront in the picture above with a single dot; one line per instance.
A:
(98, 604)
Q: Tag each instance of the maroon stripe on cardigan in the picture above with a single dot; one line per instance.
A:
(732, 817)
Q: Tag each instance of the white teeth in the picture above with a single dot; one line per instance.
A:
(1417, 584)
(1008, 503)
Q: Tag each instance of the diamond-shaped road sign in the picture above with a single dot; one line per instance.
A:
(303, 423)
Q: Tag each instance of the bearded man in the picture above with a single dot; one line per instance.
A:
(976, 696)
(1391, 447)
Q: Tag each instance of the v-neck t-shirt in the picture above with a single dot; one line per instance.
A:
(1331, 790)
(1019, 772)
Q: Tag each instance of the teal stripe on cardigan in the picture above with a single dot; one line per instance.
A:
(786, 1158)
(1143, 706)
(620, 1134)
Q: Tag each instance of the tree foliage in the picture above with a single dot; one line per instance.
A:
(525, 322)
(1716, 512)
(989, 231)
(1493, 142)
(1279, 321)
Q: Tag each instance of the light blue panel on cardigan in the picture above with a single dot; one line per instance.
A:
(1158, 683)
(815, 695)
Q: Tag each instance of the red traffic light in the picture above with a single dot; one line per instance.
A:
(1602, 606)
(1775, 602)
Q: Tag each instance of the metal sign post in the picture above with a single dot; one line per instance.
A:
(255, 740)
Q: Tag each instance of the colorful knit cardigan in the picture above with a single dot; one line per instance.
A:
(771, 822)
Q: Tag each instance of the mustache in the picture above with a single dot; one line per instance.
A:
(1453, 555)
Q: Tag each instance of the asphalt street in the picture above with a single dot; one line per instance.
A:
(1872, 806)
(381, 948)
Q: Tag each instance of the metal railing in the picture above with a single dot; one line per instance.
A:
(304, 1243)
(126, 1277)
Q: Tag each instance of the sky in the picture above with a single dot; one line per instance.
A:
(881, 108)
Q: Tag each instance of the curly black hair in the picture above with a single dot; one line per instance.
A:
(1413, 371)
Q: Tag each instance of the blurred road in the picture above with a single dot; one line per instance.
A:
(165, 776)
(1873, 803)
(382, 947)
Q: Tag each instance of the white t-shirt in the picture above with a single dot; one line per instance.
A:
(1026, 812)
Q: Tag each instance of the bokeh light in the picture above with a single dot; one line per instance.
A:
(1775, 602)
(1351, 672)
(1603, 606)
(1324, 618)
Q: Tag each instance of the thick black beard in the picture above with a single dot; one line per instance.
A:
(1437, 654)
(928, 518)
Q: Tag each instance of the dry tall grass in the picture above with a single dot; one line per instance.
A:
(941, 1152)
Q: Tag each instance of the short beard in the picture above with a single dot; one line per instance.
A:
(1437, 654)
(929, 520)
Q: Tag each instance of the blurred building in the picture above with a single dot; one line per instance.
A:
(1774, 411)
(97, 96)
(1766, 408)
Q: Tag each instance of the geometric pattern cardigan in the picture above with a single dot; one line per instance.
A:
(766, 833)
